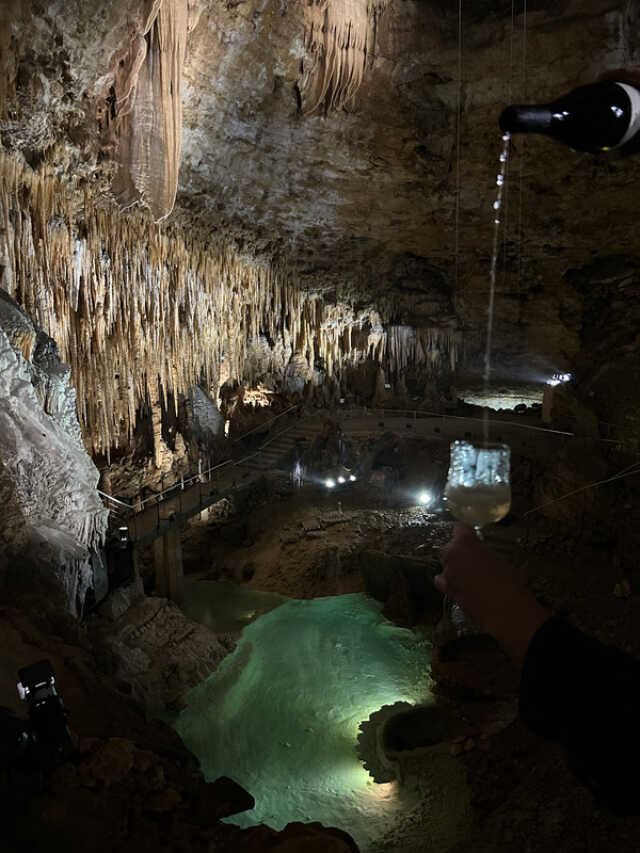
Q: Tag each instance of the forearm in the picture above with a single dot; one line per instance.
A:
(516, 622)
(586, 695)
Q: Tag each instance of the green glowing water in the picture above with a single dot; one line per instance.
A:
(281, 715)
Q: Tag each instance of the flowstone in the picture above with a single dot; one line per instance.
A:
(397, 732)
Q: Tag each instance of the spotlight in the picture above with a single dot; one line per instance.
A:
(559, 378)
(352, 478)
(329, 483)
(341, 479)
(425, 498)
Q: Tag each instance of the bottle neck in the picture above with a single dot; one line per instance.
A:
(526, 119)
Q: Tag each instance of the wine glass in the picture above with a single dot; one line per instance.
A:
(478, 492)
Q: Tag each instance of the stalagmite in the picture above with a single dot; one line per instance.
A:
(162, 456)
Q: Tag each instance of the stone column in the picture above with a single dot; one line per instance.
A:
(173, 556)
(167, 558)
(160, 566)
(162, 455)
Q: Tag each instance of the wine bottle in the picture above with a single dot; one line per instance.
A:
(597, 117)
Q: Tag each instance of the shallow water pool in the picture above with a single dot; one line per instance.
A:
(281, 714)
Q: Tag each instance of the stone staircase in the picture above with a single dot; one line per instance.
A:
(276, 453)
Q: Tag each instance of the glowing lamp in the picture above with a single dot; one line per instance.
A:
(352, 478)
(425, 498)
(341, 479)
(330, 483)
(559, 378)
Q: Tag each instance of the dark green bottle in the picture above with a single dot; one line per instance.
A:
(597, 117)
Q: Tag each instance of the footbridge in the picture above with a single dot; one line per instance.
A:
(158, 520)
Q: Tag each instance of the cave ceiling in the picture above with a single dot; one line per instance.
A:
(369, 192)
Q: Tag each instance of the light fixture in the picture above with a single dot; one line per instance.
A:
(559, 378)
(425, 498)
(330, 483)
(352, 478)
(341, 479)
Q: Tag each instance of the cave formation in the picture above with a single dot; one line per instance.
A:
(245, 254)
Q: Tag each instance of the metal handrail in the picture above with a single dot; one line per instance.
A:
(114, 500)
(416, 413)
(182, 483)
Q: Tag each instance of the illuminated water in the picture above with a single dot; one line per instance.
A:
(281, 714)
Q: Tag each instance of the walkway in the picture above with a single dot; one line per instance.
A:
(172, 507)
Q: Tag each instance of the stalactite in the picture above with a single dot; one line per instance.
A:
(142, 311)
(428, 347)
(148, 107)
(338, 37)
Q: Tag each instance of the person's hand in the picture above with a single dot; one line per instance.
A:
(476, 577)
(490, 591)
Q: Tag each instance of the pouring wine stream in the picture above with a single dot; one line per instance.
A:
(477, 490)
(497, 207)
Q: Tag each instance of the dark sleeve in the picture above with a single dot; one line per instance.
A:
(586, 695)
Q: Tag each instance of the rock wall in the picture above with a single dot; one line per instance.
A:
(52, 514)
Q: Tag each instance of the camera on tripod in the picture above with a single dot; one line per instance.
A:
(31, 748)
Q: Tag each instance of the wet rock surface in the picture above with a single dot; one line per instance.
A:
(53, 517)
(155, 648)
